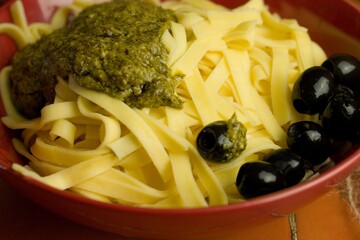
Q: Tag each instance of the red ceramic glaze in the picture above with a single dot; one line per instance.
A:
(334, 24)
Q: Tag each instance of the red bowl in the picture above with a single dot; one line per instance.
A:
(335, 25)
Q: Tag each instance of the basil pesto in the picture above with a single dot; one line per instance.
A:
(236, 133)
(113, 47)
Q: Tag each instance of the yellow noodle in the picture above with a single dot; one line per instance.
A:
(49, 114)
(116, 184)
(125, 145)
(304, 49)
(62, 156)
(260, 79)
(5, 95)
(63, 129)
(19, 18)
(280, 92)
(218, 76)
(38, 30)
(193, 55)
(110, 127)
(132, 121)
(90, 195)
(200, 96)
(241, 37)
(80, 172)
(185, 182)
(180, 45)
(240, 72)
(168, 138)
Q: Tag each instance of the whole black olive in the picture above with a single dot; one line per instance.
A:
(312, 90)
(341, 118)
(345, 69)
(258, 178)
(289, 163)
(309, 140)
(222, 141)
(342, 89)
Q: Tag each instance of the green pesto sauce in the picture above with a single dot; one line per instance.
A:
(236, 139)
(113, 47)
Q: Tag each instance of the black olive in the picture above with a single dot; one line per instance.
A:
(258, 178)
(312, 90)
(289, 163)
(222, 141)
(345, 68)
(342, 89)
(207, 141)
(309, 140)
(341, 118)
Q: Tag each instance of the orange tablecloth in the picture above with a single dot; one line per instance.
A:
(327, 218)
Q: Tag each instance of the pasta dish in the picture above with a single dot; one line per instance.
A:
(238, 62)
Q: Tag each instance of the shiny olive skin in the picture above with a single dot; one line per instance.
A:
(289, 163)
(208, 141)
(342, 89)
(345, 69)
(258, 178)
(309, 140)
(341, 118)
(312, 90)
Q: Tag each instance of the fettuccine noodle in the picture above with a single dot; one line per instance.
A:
(243, 60)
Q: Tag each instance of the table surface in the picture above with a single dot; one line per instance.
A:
(326, 218)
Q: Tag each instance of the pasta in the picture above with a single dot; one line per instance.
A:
(241, 60)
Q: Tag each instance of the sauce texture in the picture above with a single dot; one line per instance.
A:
(112, 47)
(236, 138)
